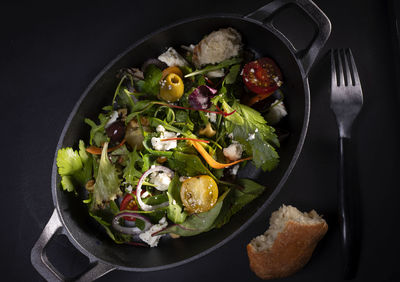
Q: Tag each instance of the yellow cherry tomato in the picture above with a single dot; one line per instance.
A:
(171, 88)
(199, 193)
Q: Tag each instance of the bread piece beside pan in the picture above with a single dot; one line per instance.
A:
(288, 243)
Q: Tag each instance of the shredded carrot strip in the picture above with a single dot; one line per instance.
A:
(220, 112)
(184, 138)
(97, 150)
(213, 163)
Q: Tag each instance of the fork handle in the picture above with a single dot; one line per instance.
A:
(347, 209)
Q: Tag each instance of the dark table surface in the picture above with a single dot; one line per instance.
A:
(51, 51)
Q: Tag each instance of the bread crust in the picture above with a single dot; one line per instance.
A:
(291, 250)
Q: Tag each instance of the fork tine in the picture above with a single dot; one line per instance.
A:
(354, 68)
(333, 70)
(340, 69)
(348, 76)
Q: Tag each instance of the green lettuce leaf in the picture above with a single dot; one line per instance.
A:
(106, 187)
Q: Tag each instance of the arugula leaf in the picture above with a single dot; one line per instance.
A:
(197, 223)
(221, 65)
(246, 192)
(131, 171)
(175, 210)
(106, 187)
(97, 132)
(250, 129)
(150, 84)
(117, 237)
(75, 168)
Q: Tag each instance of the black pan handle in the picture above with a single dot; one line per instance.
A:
(42, 264)
(308, 55)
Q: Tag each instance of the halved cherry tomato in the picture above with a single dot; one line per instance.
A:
(128, 203)
(199, 193)
(262, 77)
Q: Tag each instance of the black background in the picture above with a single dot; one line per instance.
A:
(50, 52)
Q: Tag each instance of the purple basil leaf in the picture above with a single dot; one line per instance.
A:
(200, 98)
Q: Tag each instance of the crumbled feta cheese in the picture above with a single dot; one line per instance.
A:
(234, 169)
(147, 237)
(183, 178)
(161, 180)
(251, 137)
(160, 128)
(234, 151)
(212, 117)
(112, 119)
(129, 189)
(163, 145)
(172, 58)
(276, 113)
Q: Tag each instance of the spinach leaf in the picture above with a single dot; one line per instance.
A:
(232, 75)
(156, 199)
(197, 223)
(175, 209)
(244, 193)
(187, 164)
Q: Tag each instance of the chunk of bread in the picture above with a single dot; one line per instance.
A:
(288, 243)
(217, 46)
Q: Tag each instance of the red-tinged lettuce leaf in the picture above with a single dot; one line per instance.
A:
(200, 98)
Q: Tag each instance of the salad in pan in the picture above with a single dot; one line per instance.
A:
(164, 155)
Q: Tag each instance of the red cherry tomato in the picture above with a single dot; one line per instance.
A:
(262, 77)
(128, 203)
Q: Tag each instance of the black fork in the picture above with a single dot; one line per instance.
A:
(346, 103)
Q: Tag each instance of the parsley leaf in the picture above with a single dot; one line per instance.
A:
(249, 128)
(75, 168)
